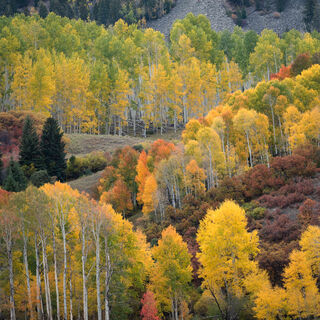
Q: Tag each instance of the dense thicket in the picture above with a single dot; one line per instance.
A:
(126, 79)
(64, 255)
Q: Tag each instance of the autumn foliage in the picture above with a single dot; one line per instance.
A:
(149, 308)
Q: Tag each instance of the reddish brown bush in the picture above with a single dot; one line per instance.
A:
(302, 62)
(309, 213)
(292, 166)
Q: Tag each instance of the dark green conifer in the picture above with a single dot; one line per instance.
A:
(15, 180)
(309, 11)
(29, 147)
(52, 149)
(43, 11)
(9, 183)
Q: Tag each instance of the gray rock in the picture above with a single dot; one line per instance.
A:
(290, 18)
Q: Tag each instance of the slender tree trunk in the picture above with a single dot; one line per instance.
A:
(26, 267)
(249, 149)
(274, 131)
(176, 308)
(46, 278)
(98, 276)
(39, 297)
(84, 276)
(107, 280)
(55, 271)
(10, 263)
(65, 307)
(71, 295)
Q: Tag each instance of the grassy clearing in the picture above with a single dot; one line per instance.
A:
(81, 144)
(86, 183)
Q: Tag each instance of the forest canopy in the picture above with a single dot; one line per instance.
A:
(223, 223)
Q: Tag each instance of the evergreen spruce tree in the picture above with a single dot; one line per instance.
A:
(29, 147)
(52, 149)
(103, 12)
(316, 17)
(309, 11)
(9, 183)
(43, 11)
(15, 180)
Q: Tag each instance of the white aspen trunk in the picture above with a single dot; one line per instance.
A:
(26, 267)
(84, 276)
(55, 271)
(39, 298)
(107, 280)
(274, 130)
(65, 307)
(71, 295)
(46, 278)
(172, 309)
(11, 280)
(266, 151)
(281, 134)
(176, 308)
(249, 148)
(211, 178)
(98, 275)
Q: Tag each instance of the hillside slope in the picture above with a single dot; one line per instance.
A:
(290, 18)
(214, 10)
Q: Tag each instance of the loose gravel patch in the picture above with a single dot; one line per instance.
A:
(214, 10)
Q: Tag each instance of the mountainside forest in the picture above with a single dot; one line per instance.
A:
(218, 217)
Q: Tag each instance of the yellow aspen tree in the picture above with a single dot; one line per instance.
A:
(230, 78)
(72, 93)
(270, 99)
(310, 125)
(310, 245)
(41, 85)
(157, 98)
(175, 97)
(279, 109)
(19, 85)
(120, 100)
(195, 178)
(172, 272)
(301, 288)
(209, 86)
(292, 128)
(190, 73)
(212, 156)
(226, 255)
(183, 49)
(142, 175)
(149, 197)
(191, 130)
(271, 304)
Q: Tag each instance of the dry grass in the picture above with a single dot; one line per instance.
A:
(81, 144)
(86, 183)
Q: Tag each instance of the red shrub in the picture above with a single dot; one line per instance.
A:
(284, 72)
(292, 166)
(258, 180)
(309, 213)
